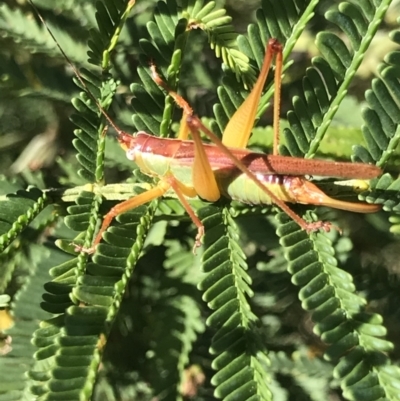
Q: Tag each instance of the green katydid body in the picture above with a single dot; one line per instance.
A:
(226, 167)
(281, 175)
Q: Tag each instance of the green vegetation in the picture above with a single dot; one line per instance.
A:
(264, 310)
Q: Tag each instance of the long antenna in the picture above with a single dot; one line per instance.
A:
(77, 73)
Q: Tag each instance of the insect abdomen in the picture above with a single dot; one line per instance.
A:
(243, 189)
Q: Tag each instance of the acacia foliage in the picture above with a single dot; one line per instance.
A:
(234, 321)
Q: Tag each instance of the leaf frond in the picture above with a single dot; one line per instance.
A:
(353, 334)
(240, 357)
(34, 37)
(17, 214)
(330, 76)
(382, 114)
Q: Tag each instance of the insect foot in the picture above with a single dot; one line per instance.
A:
(81, 248)
(199, 237)
(322, 225)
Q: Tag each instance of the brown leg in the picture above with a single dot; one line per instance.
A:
(179, 100)
(125, 206)
(167, 182)
(277, 97)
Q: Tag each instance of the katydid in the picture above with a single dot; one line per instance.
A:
(226, 168)
(191, 168)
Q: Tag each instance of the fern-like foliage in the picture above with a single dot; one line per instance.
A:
(241, 359)
(340, 315)
(143, 317)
